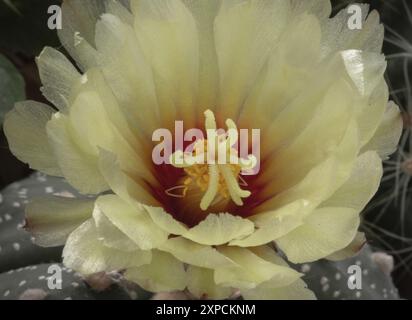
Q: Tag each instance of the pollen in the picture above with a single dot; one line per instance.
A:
(213, 166)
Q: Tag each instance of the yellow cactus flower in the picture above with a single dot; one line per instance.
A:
(314, 88)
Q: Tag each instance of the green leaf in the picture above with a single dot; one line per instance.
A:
(11, 86)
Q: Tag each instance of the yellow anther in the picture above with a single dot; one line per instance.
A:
(212, 177)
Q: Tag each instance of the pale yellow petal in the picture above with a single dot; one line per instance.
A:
(386, 137)
(78, 29)
(163, 274)
(110, 235)
(326, 230)
(218, 229)
(201, 284)
(246, 33)
(362, 184)
(51, 220)
(25, 129)
(168, 34)
(270, 290)
(351, 250)
(165, 221)
(296, 291)
(137, 225)
(85, 253)
(274, 224)
(58, 76)
(79, 168)
(195, 254)
(251, 270)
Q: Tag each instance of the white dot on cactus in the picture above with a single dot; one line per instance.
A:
(305, 268)
(338, 276)
(365, 272)
(22, 283)
(358, 262)
(7, 217)
(1, 198)
(10, 272)
(6, 293)
(41, 177)
(373, 286)
(16, 246)
(336, 294)
(75, 284)
(325, 287)
(16, 204)
(20, 269)
(358, 294)
(42, 277)
(68, 298)
(49, 189)
(324, 280)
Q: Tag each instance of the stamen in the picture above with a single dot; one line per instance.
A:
(212, 177)
(170, 193)
(212, 189)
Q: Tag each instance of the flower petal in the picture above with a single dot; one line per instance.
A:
(195, 254)
(137, 225)
(79, 168)
(163, 274)
(274, 224)
(201, 284)
(51, 220)
(246, 32)
(251, 270)
(386, 138)
(58, 76)
(31, 145)
(165, 221)
(351, 250)
(270, 289)
(295, 291)
(218, 229)
(168, 34)
(86, 254)
(338, 37)
(362, 184)
(78, 29)
(324, 179)
(110, 235)
(326, 230)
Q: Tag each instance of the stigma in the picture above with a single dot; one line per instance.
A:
(213, 166)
